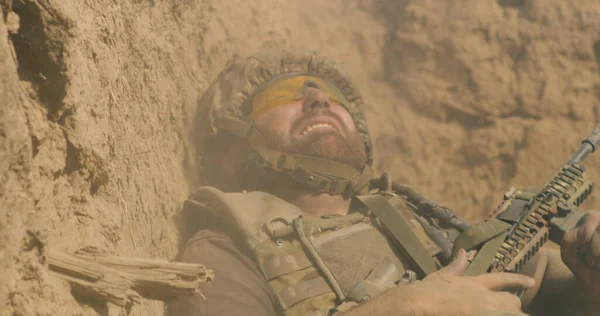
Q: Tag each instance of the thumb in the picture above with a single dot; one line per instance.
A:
(458, 266)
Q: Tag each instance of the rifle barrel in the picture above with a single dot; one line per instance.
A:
(588, 146)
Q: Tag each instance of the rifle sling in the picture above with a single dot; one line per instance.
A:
(484, 257)
(478, 234)
(401, 231)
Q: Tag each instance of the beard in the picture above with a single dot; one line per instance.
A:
(333, 146)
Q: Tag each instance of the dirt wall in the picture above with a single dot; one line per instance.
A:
(465, 98)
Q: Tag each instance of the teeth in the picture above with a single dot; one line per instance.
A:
(312, 127)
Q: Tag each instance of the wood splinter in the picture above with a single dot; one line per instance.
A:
(124, 281)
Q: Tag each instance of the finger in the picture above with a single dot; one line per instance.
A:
(588, 227)
(577, 264)
(510, 302)
(570, 238)
(570, 255)
(592, 255)
(587, 275)
(504, 280)
(568, 249)
(573, 247)
(458, 266)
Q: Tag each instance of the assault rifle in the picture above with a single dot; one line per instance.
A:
(526, 219)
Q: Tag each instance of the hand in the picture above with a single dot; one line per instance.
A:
(448, 292)
(580, 251)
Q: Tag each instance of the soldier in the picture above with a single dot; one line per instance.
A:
(283, 134)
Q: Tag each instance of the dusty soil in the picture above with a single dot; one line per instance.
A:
(466, 98)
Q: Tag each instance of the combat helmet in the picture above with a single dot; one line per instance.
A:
(227, 104)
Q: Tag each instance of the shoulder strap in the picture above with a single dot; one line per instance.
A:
(398, 227)
(245, 214)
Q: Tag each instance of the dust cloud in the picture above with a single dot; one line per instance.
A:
(465, 98)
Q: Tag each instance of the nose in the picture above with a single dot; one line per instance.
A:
(315, 98)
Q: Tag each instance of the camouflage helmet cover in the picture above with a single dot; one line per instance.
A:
(242, 77)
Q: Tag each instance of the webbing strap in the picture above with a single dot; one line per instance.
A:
(478, 234)
(302, 290)
(401, 231)
(485, 255)
(321, 174)
(286, 264)
(323, 166)
(381, 278)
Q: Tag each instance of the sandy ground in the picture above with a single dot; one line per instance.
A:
(465, 99)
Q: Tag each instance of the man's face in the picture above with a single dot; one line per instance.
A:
(313, 126)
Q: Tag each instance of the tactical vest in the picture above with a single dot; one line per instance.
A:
(315, 266)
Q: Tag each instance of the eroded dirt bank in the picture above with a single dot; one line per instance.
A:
(466, 98)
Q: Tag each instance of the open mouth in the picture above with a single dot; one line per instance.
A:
(318, 127)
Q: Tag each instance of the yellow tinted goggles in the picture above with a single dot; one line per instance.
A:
(291, 89)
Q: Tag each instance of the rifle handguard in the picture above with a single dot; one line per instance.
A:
(535, 218)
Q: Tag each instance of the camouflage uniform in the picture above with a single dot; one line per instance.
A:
(270, 258)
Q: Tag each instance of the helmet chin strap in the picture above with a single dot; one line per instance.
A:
(322, 175)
